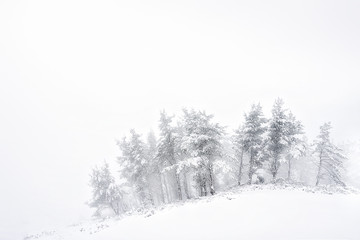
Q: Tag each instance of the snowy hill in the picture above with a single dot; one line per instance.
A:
(255, 212)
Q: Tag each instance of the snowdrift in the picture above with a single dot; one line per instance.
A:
(249, 212)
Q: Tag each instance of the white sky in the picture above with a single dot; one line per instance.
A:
(76, 75)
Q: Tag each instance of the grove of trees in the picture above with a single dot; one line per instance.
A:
(193, 156)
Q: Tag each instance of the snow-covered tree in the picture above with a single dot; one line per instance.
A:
(105, 192)
(154, 173)
(195, 158)
(201, 144)
(166, 149)
(330, 166)
(278, 135)
(250, 138)
(135, 167)
(295, 144)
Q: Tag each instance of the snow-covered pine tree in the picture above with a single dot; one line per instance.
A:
(105, 193)
(201, 144)
(115, 195)
(182, 167)
(135, 167)
(251, 137)
(330, 167)
(295, 144)
(166, 152)
(277, 139)
(154, 174)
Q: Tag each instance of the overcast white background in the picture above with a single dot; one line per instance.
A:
(76, 75)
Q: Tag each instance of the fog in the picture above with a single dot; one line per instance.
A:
(76, 75)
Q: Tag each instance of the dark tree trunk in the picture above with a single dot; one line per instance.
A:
(275, 167)
(289, 169)
(204, 187)
(211, 178)
(178, 185)
(251, 166)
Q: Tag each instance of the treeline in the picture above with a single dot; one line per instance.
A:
(194, 156)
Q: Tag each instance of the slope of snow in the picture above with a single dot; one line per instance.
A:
(267, 213)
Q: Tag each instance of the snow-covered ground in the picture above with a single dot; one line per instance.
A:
(255, 212)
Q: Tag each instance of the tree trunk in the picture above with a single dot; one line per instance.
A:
(115, 207)
(319, 171)
(204, 187)
(162, 187)
(274, 172)
(199, 184)
(186, 190)
(240, 167)
(178, 185)
(275, 167)
(167, 190)
(289, 169)
(251, 167)
(211, 178)
(149, 197)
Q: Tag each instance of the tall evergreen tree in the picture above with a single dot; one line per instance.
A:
(251, 137)
(154, 174)
(166, 148)
(330, 167)
(105, 193)
(135, 167)
(278, 133)
(201, 143)
(295, 143)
